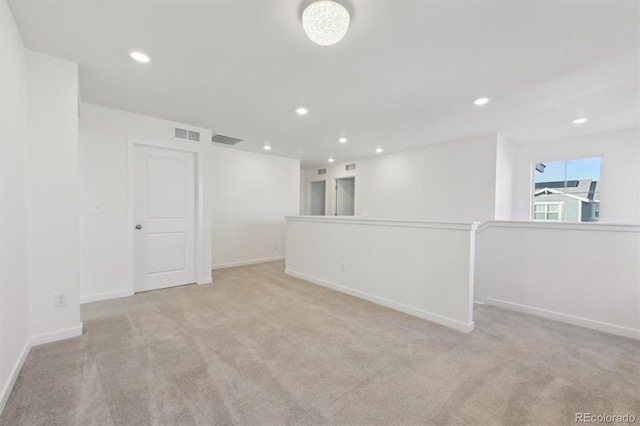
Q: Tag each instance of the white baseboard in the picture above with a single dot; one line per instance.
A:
(105, 296)
(57, 335)
(569, 319)
(13, 376)
(438, 319)
(246, 262)
(201, 281)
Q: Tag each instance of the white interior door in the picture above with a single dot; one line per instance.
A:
(345, 196)
(164, 215)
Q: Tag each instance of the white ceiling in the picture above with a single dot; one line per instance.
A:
(405, 75)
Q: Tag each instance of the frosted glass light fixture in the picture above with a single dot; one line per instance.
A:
(325, 22)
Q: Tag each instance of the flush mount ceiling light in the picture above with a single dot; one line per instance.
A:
(482, 101)
(325, 22)
(342, 140)
(581, 120)
(379, 150)
(140, 57)
(331, 159)
(267, 147)
(302, 111)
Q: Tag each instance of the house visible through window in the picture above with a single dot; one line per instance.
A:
(567, 191)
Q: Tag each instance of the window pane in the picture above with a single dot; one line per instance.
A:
(539, 216)
(568, 189)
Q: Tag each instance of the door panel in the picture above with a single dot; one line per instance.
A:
(345, 196)
(164, 207)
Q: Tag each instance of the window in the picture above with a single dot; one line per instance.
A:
(567, 191)
(547, 211)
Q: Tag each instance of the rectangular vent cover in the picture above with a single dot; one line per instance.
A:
(350, 166)
(227, 140)
(322, 171)
(187, 135)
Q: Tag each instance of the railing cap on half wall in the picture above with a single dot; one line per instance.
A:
(359, 220)
(571, 226)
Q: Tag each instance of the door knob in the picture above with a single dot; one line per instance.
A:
(138, 226)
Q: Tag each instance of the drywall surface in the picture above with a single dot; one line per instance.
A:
(105, 137)
(620, 151)
(422, 268)
(454, 181)
(15, 323)
(505, 159)
(584, 274)
(252, 193)
(52, 196)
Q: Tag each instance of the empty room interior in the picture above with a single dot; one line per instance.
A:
(314, 212)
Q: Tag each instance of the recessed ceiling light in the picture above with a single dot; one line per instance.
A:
(267, 147)
(325, 22)
(581, 120)
(300, 152)
(302, 111)
(140, 57)
(331, 160)
(482, 101)
(379, 150)
(342, 140)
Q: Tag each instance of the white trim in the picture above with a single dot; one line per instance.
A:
(438, 319)
(574, 226)
(54, 336)
(351, 220)
(204, 281)
(246, 262)
(569, 319)
(105, 296)
(13, 375)
(555, 191)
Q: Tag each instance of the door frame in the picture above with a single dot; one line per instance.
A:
(335, 192)
(199, 229)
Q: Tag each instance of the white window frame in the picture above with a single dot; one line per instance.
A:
(546, 211)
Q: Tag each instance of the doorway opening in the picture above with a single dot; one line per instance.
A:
(345, 196)
(318, 198)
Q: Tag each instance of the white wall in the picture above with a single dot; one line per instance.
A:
(252, 193)
(505, 163)
(453, 181)
(421, 268)
(15, 328)
(103, 162)
(620, 198)
(583, 274)
(52, 195)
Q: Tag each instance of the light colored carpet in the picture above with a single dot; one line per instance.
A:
(260, 348)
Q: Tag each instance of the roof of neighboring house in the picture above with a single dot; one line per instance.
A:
(586, 190)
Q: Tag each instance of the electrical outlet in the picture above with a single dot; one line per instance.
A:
(97, 209)
(59, 300)
(275, 247)
(343, 268)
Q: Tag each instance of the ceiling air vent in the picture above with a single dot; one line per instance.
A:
(227, 140)
(322, 171)
(350, 166)
(187, 135)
